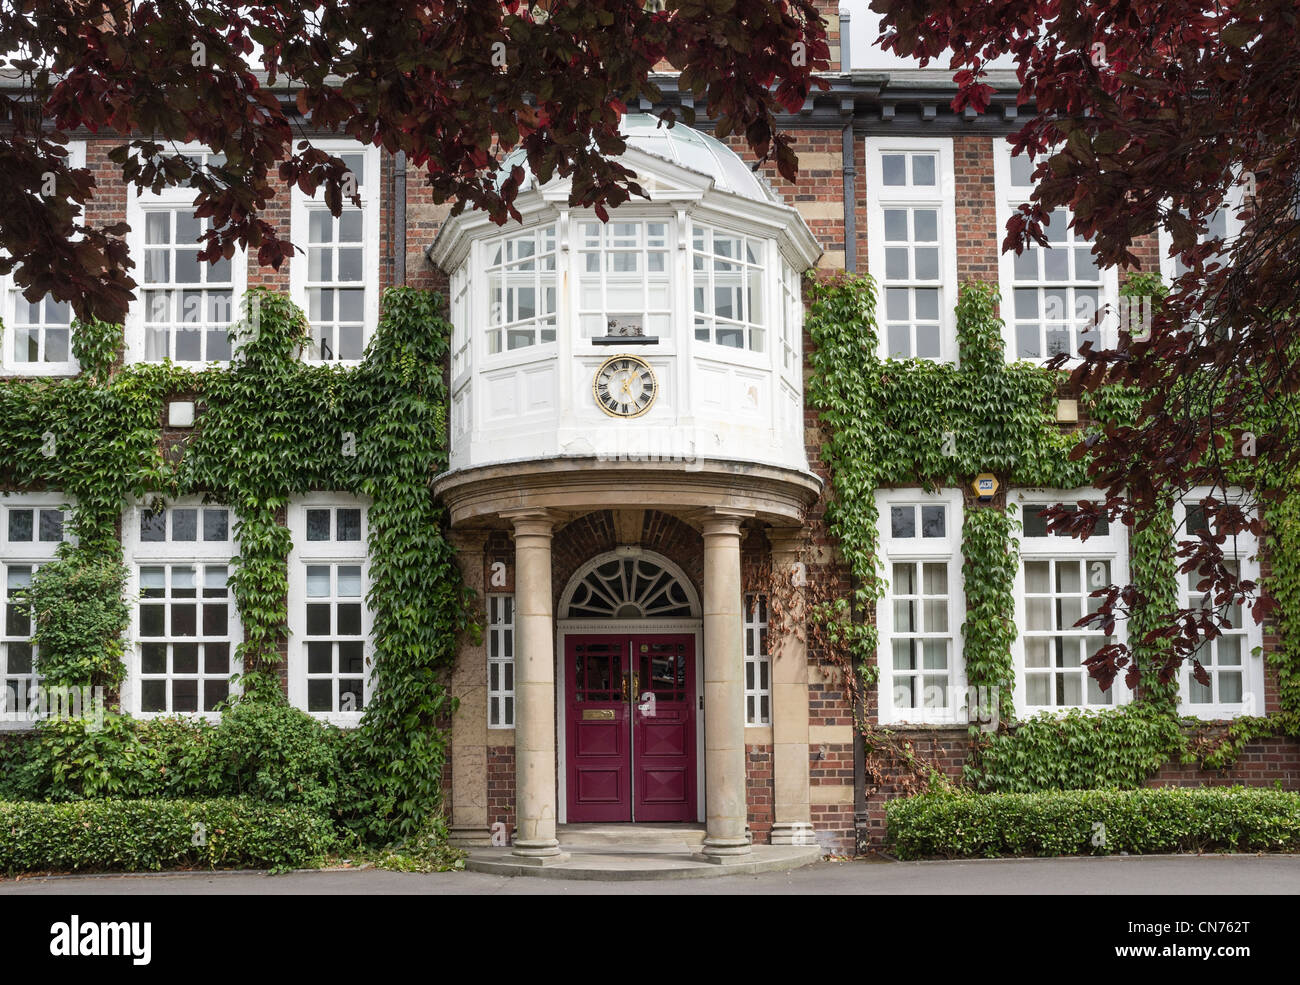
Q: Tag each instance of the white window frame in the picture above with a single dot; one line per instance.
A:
(758, 661)
(169, 553)
(540, 278)
(370, 192)
(791, 321)
(332, 552)
(9, 292)
(1009, 198)
(1113, 547)
(656, 319)
(941, 198)
(922, 550)
(501, 685)
(461, 349)
(139, 203)
(33, 554)
(1244, 549)
(757, 332)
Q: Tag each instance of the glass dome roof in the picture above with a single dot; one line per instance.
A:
(684, 147)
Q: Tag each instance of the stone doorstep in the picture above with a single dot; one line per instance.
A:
(623, 865)
(630, 837)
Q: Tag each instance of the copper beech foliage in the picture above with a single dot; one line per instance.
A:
(453, 85)
(1145, 116)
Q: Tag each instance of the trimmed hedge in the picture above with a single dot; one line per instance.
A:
(148, 835)
(264, 750)
(1093, 822)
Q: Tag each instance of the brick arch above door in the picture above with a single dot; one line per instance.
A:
(602, 531)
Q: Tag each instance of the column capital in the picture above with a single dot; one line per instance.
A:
(530, 522)
(724, 522)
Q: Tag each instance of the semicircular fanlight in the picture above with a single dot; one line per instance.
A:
(629, 588)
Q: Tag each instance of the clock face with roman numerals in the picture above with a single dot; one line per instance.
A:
(625, 386)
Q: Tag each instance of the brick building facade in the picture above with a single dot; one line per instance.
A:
(663, 540)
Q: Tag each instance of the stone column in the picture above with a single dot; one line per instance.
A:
(535, 812)
(724, 692)
(789, 656)
(469, 731)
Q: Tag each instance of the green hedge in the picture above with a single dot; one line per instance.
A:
(145, 835)
(264, 750)
(1093, 822)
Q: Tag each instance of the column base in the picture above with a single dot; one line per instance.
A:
(537, 853)
(469, 836)
(793, 833)
(722, 851)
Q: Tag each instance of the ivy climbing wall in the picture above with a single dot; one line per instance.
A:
(269, 428)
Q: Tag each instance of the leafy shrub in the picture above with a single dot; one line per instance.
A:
(276, 753)
(268, 751)
(1094, 822)
(144, 835)
(71, 759)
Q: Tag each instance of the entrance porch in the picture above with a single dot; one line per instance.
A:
(631, 705)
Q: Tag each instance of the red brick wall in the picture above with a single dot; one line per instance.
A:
(1262, 763)
(501, 786)
(946, 748)
(760, 793)
(979, 238)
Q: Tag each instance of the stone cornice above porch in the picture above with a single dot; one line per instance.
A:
(571, 487)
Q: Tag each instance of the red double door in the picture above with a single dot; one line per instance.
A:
(630, 728)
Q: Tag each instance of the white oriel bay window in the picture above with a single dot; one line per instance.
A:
(501, 661)
(329, 620)
(37, 335)
(1054, 587)
(336, 277)
(1052, 297)
(31, 528)
(1233, 662)
(185, 627)
(690, 298)
(185, 308)
(758, 663)
(911, 237)
(920, 618)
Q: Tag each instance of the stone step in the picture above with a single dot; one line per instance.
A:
(631, 837)
(612, 865)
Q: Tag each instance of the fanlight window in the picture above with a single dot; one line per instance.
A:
(629, 588)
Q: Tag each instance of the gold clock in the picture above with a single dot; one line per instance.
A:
(625, 386)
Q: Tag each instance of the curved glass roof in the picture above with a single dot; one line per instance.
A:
(684, 147)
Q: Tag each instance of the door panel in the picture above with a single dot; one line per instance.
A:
(663, 716)
(597, 727)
